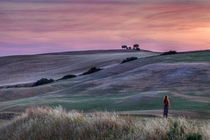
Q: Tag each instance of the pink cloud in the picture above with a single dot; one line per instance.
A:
(65, 26)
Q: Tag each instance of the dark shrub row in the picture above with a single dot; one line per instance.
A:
(47, 81)
(68, 77)
(92, 70)
(43, 81)
(129, 59)
(169, 53)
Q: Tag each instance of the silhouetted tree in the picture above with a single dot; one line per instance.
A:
(124, 47)
(136, 47)
(129, 48)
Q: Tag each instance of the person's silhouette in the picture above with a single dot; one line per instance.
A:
(166, 105)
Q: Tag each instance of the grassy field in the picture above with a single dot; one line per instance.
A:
(4, 122)
(55, 123)
(136, 86)
(30, 68)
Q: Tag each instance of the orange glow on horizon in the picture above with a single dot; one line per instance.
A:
(28, 27)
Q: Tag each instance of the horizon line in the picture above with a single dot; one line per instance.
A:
(91, 50)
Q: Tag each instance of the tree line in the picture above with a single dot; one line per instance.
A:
(135, 47)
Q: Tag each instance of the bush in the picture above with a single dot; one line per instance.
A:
(92, 70)
(43, 81)
(68, 77)
(129, 59)
(169, 53)
(176, 132)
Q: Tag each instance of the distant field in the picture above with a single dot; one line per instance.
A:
(137, 86)
(29, 68)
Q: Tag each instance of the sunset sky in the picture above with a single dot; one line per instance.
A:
(38, 26)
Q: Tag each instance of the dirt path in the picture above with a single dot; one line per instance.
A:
(193, 98)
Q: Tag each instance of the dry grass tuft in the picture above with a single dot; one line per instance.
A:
(55, 123)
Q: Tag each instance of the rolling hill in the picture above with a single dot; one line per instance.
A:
(135, 87)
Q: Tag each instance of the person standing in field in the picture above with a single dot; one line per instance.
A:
(166, 105)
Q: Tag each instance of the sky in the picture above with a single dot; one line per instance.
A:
(40, 26)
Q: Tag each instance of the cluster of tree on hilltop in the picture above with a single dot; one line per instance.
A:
(135, 47)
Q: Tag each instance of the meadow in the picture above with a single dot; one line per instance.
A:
(136, 86)
(56, 123)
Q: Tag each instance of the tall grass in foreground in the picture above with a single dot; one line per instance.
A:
(45, 123)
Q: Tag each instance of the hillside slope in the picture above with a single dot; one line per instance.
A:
(29, 68)
(133, 86)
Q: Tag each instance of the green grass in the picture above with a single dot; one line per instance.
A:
(77, 95)
(184, 104)
(196, 95)
(125, 103)
(111, 102)
(183, 57)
